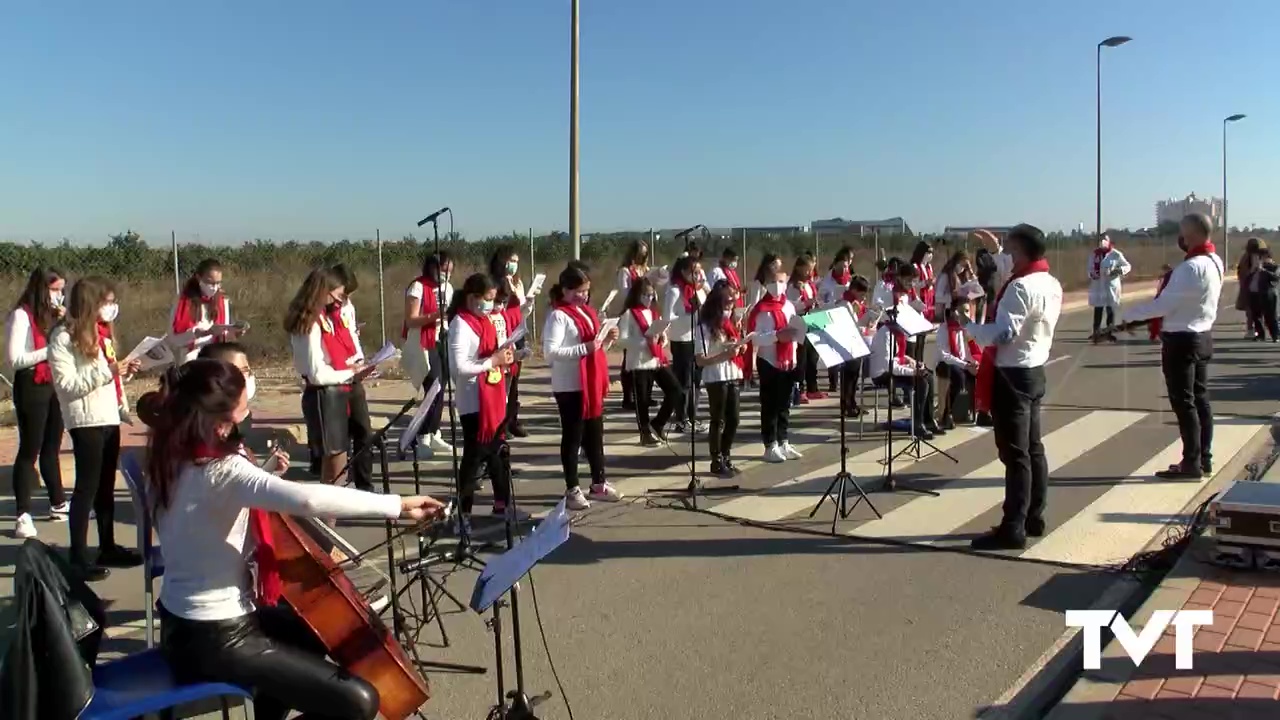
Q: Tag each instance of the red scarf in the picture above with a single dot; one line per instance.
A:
(731, 333)
(655, 347)
(688, 291)
(954, 331)
(634, 272)
(270, 586)
(1095, 272)
(430, 304)
(807, 294)
(859, 305)
(593, 368)
(926, 296)
(843, 277)
(1157, 324)
(785, 349)
(732, 276)
(108, 346)
(984, 385)
(899, 344)
(492, 387)
(43, 376)
(183, 320)
(336, 339)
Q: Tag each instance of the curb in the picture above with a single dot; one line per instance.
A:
(1055, 682)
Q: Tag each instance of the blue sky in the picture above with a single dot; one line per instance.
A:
(325, 119)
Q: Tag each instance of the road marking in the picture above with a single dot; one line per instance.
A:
(801, 493)
(1057, 359)
(1126, 517)
(959, 505)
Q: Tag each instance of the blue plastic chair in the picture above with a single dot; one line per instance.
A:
(152, 557)
(141, 684)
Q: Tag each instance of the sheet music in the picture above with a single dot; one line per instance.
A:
(657, 328)
(514, 338)
(504, 571)
(836, 337)
(911, 322)
(608, 324)
(153, 352)
(534, 287)
(410, 433)
(385, 353)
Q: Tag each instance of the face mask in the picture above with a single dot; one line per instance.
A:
(445, 278)
(486, 307)
(777, 288)
(733, 265)
(55, 298)
(250, 386)
(109, 313)
(512, 268)
(209, 289)
(646, 300)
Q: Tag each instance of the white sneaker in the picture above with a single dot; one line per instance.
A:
(774, 455)
(436, 442)
(59, 513)
(605, 493)
(790, 452)
(25, 527)
(575, 500)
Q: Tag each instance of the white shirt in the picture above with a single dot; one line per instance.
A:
(1189, 303)
(766, 345)
(882, 295)
(682, 320)
(85, 387)
(348, 313)
(803, 297)
(830, 291)
(942, 290)
(710, 346)
(1025, 322)
(415, 291)
(943, 342)
(466, 365)
(563, 347)
(717, 275)
(639, 357)
(884, 355)
(312, 362)
(205, 531)
(20, 342)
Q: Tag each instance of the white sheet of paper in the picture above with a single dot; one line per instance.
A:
(143, 348)
(658, 327)
(839, 341)
(536, 285)
(912, 322)
(513, 338)
(385, 353)
(608, 324)
(233, 327)
(410, 433)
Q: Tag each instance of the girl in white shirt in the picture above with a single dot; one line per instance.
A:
(34, 401)
(958, 358)
(358, 404)
(775, 343)
(213, 512)
(837, 280)
(803, 296)
(680, 308)
(504, 270)
(325, 351)
(200, 306)
(647, 361)
(422, 353)
(855, 299)
(572, 342)
(723, 356)
(89, 383)
(635, 265)
(922, 261)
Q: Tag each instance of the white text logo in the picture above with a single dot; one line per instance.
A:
(1138, 645)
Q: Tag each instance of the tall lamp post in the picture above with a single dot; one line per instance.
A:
(1110, 42)
(573, 140)
(1226, 244)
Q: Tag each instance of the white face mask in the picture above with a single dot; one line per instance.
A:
(733, 265)
(55, 297)
(109, 313)
(208, 290)
(250, 387)
(777, 288)
(486, 307)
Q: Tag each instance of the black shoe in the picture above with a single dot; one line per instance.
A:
(1180, 471)
(922, 433)
(90, 572)
(1206, 467)
(649, 441)
(717, 467)
(119, 557)
(629, 405)
(730, 470)
(948, 423)
(1034, 527)
(367, 487)
(681, 428)
(998, 539)
(984, 420)
(314, 468)
(934, 429)
(516, 429)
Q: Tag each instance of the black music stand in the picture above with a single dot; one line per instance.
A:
(913, 448)
(838, 490)
(891, 484)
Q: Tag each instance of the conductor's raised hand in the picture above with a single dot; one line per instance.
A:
(420, 507)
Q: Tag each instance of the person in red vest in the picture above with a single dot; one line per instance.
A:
(635, 265)
(723, 356)
(776, 361)
(201, 306)
(422, 353)
(958, 356)
(922, 261)
(35, 404)
(504, 270)
(648, 361)
(803, 295)
(325, 357)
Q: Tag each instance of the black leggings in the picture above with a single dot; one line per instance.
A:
(957, 381)
(578, 434)
(725, 401)
(672, 396)
(775, 402)
(513, 392)
(852, 380)
(807, 362)
(271, 654)
(1097, 317)
(628, 382)
(360, 428)
(682, 364)
(1262, 306)
(476, 455)
(97, 454)
(39, 437)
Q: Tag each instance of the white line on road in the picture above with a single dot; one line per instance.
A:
(1057, 359)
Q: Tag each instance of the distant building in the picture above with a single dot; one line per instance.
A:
(892, 226)
(1173, 210)
(769, 231)
(952, 232)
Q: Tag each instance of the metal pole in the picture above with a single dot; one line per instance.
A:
(1098, 206)
(177, 280)
(382, 290)
(573, 141)
(744, 245)
(532, 329)
(1226, 239)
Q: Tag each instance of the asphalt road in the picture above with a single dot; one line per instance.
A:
(651, 611)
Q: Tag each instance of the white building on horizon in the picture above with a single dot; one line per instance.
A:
(1173, 210)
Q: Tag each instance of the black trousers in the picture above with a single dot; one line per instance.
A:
(958, 381)
(917, 390)
(725, 401)
(272, 654)
(628, 382)
(513, 392)
(807, 362)
(476, 455)
(360, 429)
(577, 434)
(852, 372)
(775, 402)
(97, 455)
(642, 389)
(1098, 312)
(436, 372)
(1015, 411)
(1263, 307)
(686, 368)
(39, 438)
(1184, 358)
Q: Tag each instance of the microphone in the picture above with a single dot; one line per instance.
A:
(432, 217)
(688, 231)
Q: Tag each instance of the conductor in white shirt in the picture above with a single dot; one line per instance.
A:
(1027, 310)
(1188, 306)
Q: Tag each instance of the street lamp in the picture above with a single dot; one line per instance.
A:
(573, 139)
(1110, 42)
(1226, 244)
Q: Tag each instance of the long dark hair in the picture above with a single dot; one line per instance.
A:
(571, 278)
(310, 300)
(922, 248)
(951, 268)
(475, 284)
(348, 276)
(434, 263)
(86, 299)
(712, 314)
(36, 296)
(498, 270)
(845, 255)
(634, 255)
(682, 266)
(191, 288)
(635, 295)
(763, 275)
(194, 402)
(797, 276)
